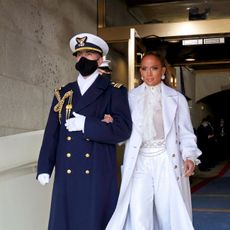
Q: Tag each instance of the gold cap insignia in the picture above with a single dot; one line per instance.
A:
(81, 41)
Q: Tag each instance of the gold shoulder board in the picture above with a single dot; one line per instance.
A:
(117, 85)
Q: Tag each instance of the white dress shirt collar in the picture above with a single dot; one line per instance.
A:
(85, 82)
(156, 88)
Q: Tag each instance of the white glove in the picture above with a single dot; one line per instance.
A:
(44, 178)
(76, 123)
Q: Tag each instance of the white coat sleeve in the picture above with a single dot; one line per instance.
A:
(186, 137)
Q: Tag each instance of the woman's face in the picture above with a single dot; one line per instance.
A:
(151, 70)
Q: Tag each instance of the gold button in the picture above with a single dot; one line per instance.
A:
(68, 138)
(87, 172)
(68, 155)
(175, 166)
(69, 171)
(87, 155)
(173, 155)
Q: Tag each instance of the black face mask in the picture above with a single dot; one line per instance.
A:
(86, 66)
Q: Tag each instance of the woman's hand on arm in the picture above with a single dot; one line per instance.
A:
(107, 118)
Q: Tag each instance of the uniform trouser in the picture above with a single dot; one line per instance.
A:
(150, 203)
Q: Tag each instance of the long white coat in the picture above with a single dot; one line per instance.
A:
(180, 144)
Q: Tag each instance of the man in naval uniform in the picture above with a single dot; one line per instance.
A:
(81, 145)
(105, 69)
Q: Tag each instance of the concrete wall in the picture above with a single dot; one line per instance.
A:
(208, 82)
(200, 84)
(211, 81)
(35, 56)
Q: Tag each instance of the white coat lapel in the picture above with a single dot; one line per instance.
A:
(169, 106)
(136, 100)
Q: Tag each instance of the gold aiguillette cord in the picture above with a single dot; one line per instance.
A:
(58, 107)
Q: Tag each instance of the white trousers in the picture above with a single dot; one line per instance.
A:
(150, 204)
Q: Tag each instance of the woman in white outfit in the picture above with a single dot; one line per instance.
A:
(159, 157)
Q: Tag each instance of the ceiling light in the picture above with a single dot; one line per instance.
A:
(173, 41)
(190, 59)
(203, 41)
(214, 41)
(190, 42)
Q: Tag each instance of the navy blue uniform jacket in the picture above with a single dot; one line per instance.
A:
(85, 185)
